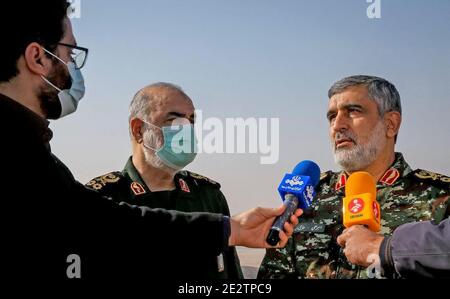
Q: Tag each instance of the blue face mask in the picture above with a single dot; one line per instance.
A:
(180, 145)
(69, 98)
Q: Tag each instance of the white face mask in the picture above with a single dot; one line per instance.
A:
(69, 98)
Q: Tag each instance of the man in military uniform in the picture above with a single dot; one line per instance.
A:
(365, 116)
(153, 177)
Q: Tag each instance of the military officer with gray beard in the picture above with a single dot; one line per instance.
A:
(364, 117)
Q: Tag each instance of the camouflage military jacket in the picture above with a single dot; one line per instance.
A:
(193, 193)
(404, 196)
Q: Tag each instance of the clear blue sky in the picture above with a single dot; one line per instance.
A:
(258, 58)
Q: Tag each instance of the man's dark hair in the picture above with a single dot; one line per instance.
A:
(25, 22)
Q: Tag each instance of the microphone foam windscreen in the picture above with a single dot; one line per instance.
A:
(308, 168)
(360, 182)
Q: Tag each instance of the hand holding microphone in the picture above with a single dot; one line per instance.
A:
(361, 214)
(360, 244)
(250, 228)
(296, 191)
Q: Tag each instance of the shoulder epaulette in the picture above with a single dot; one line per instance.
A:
(199, 179)
(100, 182)
(432, 178)
(325, 176)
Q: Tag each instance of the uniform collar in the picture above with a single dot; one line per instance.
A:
(139, 187)
(182, 183)
(27, 120)
(393, 174)
(137, 184)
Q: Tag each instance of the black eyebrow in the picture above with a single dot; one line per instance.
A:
(176, 114)
(180, 115)
(330, 113)
(346, 107)
(352, 106)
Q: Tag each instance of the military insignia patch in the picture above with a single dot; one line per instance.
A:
(341, 182)
(137, 188)
(323, 175)
(101, 181)
(390, 177)
(423, 174)
(94, 185)
(203, 178)
(110, 178)
(184, 186)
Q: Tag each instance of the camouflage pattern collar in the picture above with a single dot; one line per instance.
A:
(398, 169)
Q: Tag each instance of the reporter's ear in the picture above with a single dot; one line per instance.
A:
(34, 60)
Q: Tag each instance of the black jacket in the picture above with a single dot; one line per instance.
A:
(46, 215)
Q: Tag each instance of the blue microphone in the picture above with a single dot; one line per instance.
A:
(296, 191)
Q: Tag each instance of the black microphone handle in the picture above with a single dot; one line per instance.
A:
(291, 203)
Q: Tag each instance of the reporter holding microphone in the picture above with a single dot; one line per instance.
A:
(419, 249)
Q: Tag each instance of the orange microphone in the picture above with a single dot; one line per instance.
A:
(360, 205)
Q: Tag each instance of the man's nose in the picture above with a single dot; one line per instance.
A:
(340, 123)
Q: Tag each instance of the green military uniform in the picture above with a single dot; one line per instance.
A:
(404, 196)
(193, 193)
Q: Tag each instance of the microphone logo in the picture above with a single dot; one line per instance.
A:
(296, 190)
(309, 193)
(356, 206)
(360, 206)
(296, 181)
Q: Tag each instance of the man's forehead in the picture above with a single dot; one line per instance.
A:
(167, 101)
(68, 32)
(355, 95)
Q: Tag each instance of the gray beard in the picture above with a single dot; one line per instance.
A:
(150, 137)
(152, 159)
(361, 155)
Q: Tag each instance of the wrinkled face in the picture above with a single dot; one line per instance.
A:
(172, 108)
(58, 76)
(357, 132)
